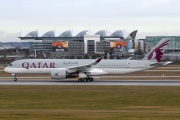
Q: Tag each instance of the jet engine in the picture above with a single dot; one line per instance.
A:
(61, 73)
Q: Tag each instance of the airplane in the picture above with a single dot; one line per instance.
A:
(86, 69)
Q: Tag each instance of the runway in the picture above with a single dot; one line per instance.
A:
(94, 83)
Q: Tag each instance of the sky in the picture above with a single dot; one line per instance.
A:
(149, 17)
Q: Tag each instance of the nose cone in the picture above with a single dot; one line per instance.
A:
(6, 69)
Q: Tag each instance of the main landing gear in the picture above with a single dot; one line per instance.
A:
(85, 79)
(14, 75)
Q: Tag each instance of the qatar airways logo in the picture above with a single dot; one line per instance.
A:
(56, 74)
(158, 52)
(38, 65)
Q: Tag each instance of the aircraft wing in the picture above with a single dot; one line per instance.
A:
(85, 67)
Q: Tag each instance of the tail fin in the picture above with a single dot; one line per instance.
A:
(158, 50)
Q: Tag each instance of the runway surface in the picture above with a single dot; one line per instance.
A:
(109, 77)
(95, 82)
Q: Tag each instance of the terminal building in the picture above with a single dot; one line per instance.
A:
(173, 47)
(67, 45)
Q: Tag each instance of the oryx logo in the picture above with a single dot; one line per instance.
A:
(158, 51)
(56, 74)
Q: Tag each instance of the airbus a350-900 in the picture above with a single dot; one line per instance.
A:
(85, 69)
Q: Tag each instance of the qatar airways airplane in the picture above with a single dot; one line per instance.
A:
(85, 69)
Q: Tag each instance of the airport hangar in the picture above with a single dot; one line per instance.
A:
(67, 45)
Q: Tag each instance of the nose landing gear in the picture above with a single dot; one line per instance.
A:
(14, 75)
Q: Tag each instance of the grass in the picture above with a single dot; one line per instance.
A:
(89, 102)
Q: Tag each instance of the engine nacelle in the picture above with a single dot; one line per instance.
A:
(58, 73)
(61, 73)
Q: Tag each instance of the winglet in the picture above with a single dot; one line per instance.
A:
(98, 60)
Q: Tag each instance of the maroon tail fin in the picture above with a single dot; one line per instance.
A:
(158, 50)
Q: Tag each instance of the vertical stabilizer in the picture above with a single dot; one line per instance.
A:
(158, 50)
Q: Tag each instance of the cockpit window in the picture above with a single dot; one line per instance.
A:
(10, 64)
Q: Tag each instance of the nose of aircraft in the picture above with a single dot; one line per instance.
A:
(6, 69)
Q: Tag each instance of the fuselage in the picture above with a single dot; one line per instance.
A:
(104, 67)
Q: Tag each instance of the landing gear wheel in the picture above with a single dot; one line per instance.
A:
(80, 79)
(14, 75)
(86, 79)
(83, 79)
(90, 79)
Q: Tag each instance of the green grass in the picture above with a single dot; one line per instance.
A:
(89, 102)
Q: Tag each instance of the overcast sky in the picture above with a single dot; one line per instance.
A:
(149, 17)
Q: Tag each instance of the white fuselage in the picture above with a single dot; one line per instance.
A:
(104, 67)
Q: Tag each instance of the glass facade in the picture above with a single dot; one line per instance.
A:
(102, 46)
(35, 46)
(75, 48)
(91, 46)
(174, 45)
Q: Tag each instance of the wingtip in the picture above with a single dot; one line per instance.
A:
(99, 59)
